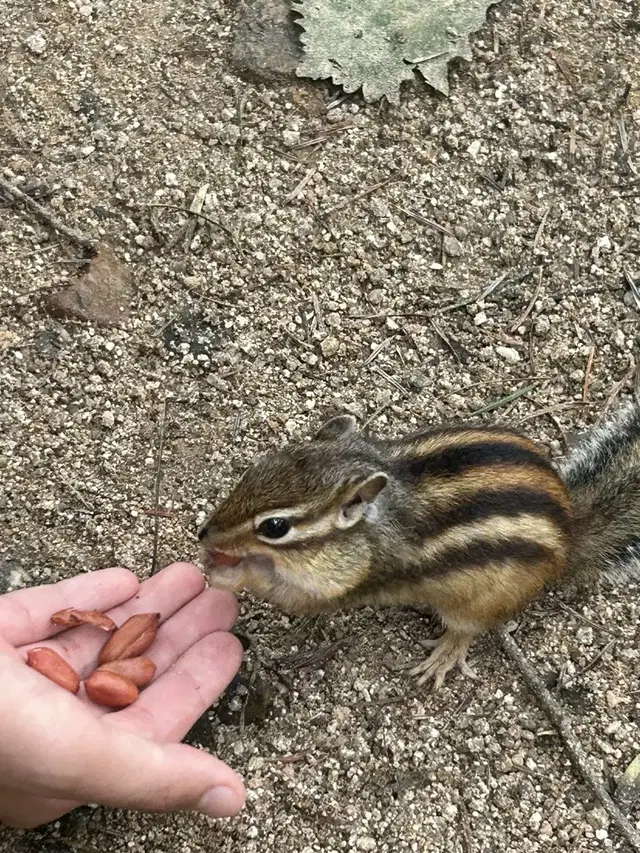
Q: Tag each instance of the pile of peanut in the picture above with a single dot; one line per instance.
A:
(122, 671)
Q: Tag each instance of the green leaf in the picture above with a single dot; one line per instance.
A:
(377, 44)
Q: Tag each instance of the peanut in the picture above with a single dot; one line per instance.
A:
(139, 670)
(55, 668)
(70, 618)
(110, 689)
(131, 639)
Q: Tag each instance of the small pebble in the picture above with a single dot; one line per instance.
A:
(474, 149)
(452, 247)
(108, 419)
(509, 354)
(330, 347)
(290, 137)
(584, 635)
(36, 42)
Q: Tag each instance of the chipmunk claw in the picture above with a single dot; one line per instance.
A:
(449, 651)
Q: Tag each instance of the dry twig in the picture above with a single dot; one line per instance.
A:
(317, 140)
(503, 401)
(587, 374)
(378, 349)
(529, 307)
(76, 237)
(538, 237)
(630, 371)
(362, 194)
(191, 212)
(156, 496)
(295, 192)
(572, 745)
(413, 214)
(548, 410)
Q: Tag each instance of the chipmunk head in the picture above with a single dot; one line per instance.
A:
(296, 528)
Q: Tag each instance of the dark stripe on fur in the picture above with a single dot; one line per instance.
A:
(455, 460)
(473, 556)
(479, 553)
(508, 502)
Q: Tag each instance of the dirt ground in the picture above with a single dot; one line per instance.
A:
(496, 258)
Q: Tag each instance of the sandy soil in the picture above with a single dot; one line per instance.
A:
(297, 305)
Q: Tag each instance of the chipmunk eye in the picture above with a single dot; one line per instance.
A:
(274, 528)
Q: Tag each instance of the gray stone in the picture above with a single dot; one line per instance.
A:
(101, 296)
(330, 347)
(453, 247)
(12, 574)
(266, 44)
(509, 354)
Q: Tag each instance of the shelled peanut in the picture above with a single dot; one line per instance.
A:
(122, 670)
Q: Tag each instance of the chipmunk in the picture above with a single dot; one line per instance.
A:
(473, 522)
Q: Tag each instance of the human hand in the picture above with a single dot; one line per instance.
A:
(58, 750)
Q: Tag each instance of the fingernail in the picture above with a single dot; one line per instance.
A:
(219, 802)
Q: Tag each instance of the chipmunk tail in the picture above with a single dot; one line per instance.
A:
(602, 474)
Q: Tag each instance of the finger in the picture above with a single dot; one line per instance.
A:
(26, 613)
(212, 610)
(166, 710)
(164, 593)
(24, 811)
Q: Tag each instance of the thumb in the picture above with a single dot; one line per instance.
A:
(56, 748)
(134, 773)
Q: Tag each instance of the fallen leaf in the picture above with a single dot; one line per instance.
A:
(377, 44)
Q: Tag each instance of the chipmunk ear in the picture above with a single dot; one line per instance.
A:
(361, 500)
(335, 428)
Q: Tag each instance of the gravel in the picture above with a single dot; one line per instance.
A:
(332, 235)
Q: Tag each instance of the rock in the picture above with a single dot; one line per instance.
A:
(8, 339)
(101, 296)
(266, 43)
(509, 354)
(366, 843)
(452, 247)
(246, 698)
(535, 820)
(11, 574)
(619, 339)
(418, 381)
(584, 636)
(291, 137)
(108, 419)
(542, 326)
(330, 347)
(228, 134)
(474, 149)
(36, 42)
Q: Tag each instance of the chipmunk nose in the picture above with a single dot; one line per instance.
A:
(209, 528)
(203, 532)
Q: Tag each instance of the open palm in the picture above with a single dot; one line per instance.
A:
(58, 750)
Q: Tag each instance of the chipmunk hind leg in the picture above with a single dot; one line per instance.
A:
(470, 603)
(449, 651)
